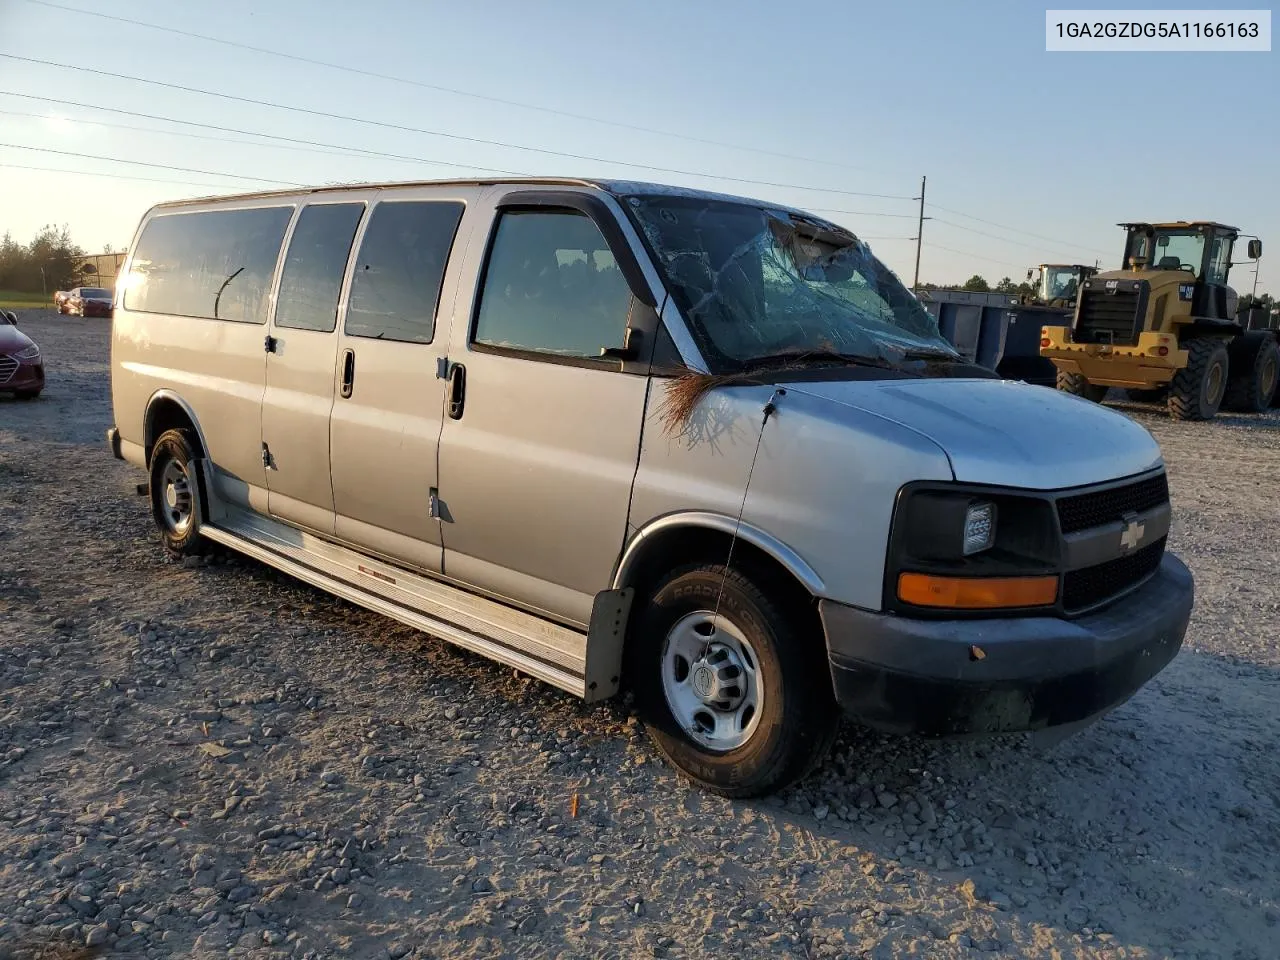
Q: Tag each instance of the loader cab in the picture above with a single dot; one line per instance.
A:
(1199, 250)
(1059, 283)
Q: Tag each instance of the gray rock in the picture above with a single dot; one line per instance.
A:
(887, 799)
(482, 885)
(97, 936)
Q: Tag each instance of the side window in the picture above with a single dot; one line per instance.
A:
(1219, 261)
(552, 286)
(396, 286)
(216, 264)
(313, 269)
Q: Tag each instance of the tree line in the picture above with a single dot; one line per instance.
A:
(51, 261)
(978, 284)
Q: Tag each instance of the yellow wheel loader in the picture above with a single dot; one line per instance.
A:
(1166, 327)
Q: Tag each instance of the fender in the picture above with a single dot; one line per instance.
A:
(166, 394)
(775, 548)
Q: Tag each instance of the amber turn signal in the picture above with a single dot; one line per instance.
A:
(976, 593)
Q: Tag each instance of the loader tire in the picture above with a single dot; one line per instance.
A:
(1255, 367)
(1075, 383)
(1196, 391)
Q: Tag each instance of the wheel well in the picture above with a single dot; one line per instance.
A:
(167, 414)
(682, 546)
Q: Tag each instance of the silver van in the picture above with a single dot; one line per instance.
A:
(628, 436)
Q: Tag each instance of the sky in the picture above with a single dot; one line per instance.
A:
(838, 108)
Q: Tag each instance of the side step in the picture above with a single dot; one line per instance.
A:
(553, 653)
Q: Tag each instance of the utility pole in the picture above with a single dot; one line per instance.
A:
(919, 237)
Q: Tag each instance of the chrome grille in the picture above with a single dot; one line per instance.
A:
(8, 367)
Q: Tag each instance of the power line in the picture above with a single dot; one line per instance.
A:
(1003, 226)
(982, 233)
(158, 166)
(438, 133)
(112, 176)
(332, 149)
(355, 151)
(966, 253)
(854, 213)
(347, 68)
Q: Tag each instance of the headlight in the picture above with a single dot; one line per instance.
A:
(31, 353)
(979, 527)
(971, 549)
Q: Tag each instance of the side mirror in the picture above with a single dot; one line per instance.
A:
(628, 350)
(1255, 249)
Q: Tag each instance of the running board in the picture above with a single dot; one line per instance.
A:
(553, 653)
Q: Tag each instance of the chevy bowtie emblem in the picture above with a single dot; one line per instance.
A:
(1131, 535)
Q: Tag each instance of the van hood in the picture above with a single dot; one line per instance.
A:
(1005, 433)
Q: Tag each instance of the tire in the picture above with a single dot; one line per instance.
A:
(1255, 369)
(777, 726)
(1076, 384)
(175, 495)
(1196, 391)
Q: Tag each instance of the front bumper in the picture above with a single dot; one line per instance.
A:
(1115, 366)
(960, 677)
(28, 376)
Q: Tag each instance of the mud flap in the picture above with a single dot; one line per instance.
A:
(605, 636)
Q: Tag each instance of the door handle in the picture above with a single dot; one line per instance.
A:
(348, 373)
(457, 390)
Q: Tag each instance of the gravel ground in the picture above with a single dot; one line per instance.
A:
(219, 761)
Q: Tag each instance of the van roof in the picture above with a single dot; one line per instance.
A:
(615, 187)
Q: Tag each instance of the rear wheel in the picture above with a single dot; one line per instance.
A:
(1196, 391)
(732, 693)
(175, 495)
(1254, 362)
(1075, 383)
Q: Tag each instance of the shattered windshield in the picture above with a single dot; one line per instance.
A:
(757, 283)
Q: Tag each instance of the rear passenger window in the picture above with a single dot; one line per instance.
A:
(398, 274)
(311, 280)
(217, 264)
(552, 286)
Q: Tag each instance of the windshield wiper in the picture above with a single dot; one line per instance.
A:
(796, 359)
(933, 355)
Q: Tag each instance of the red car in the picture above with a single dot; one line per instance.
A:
(21, 366)
(88, 302)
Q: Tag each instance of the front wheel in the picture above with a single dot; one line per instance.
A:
(1196, 391)
(175, 493)
(1075, 383)
(733, 695)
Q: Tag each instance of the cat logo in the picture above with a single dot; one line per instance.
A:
(1112, 286)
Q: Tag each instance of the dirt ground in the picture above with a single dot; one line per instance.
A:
(218, 761)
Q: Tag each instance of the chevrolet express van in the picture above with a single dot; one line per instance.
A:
(629, 436)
